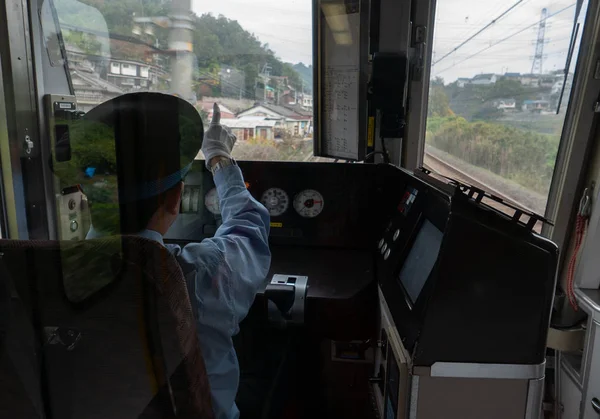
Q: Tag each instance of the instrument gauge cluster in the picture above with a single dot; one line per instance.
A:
(308, 203)
(276, 201)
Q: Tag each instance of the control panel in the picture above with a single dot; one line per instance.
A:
(329, 204)
(73, 209)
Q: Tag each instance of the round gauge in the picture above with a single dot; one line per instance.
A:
(211, 200)
(309, 203)
(276, 201)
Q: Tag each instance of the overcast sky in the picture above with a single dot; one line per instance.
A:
(286, 25)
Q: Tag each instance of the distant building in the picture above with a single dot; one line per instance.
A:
(207, 106)
(535, 106)
(294, 122)
(247, 128)
(462, 81)
(512, 76)
(506, 105)
(532, 80)
(484, 79)
(129, 66)
(307, 101)
(287, 98)
(130, 75)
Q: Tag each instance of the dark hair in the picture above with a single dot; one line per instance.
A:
(136, 215)
(150, 140)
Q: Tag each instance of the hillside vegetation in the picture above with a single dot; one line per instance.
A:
(524, 156)
(218, 41)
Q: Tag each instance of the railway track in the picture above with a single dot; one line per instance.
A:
(442, 167)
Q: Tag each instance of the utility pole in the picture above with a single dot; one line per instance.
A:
(538, 58)
(181, 27)
(181, 46)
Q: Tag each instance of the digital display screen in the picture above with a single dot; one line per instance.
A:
(419, 263)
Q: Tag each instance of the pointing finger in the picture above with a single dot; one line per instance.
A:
(216, 119)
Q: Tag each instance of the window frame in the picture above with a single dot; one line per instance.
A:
(31, 215)
(579, 130)
(6, 229)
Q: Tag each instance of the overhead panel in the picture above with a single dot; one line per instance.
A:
(341, 56)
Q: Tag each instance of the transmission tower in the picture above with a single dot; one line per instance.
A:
(538, 58)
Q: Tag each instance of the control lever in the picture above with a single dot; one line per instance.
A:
(288, 294)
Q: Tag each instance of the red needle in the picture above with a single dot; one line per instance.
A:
(318, 202)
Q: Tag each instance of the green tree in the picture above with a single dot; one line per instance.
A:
(439, 105)
(438, 81)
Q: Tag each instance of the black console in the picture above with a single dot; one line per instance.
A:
(464, 282)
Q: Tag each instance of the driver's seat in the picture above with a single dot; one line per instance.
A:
(115, 326)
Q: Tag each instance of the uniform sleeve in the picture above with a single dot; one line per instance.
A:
(230, 268)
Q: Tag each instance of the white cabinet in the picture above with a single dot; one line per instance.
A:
(570, 396)
(592, 390)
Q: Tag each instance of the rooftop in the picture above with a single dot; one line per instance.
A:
(284, 111)
(95, 82)
(249, 123)
(483, 76)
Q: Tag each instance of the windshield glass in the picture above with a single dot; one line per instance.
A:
(256, 65)
(501, 79)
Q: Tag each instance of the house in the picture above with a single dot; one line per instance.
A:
(536, 106)
(287, 98)
(207, 106)
(484, 79)
(532, 80)
(90, 89)
(293, 121)
(506, 105)
(512, 76)
(130, 75)
(247, 128)
(307, 101)
(462, 81)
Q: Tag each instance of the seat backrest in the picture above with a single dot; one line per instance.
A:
(116, 325)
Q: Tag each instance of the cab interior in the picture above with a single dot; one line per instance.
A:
(430, 170)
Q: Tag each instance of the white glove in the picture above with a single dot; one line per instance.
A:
(218, 140)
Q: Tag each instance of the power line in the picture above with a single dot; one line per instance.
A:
(480, 31)
(505, 39)
(496, 8)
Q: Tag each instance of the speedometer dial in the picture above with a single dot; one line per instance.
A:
(309, 203)
(211, 201)
(276, 201)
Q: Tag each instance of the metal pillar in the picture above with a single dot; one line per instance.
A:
(181, 46)
(538, 58)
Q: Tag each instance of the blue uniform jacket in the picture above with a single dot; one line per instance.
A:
(223, 275)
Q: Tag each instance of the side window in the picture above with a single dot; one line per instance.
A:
(256, 65)
(500, 85)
